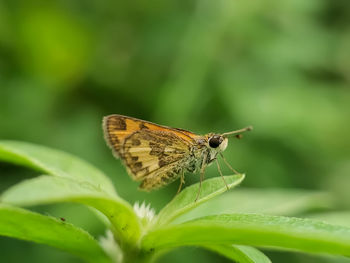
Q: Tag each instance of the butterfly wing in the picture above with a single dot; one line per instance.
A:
(155, 157)
(118, 127)
(152, 153)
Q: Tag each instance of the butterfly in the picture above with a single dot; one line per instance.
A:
(157, 155)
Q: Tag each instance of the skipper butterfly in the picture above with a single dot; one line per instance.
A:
(157, 155)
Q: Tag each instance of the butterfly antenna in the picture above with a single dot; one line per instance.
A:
(249, 128)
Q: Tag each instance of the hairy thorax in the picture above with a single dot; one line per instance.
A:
(200, 153)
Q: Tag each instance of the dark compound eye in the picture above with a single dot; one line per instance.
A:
(215, 141)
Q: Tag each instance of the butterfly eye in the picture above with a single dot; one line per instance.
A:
(215, 141)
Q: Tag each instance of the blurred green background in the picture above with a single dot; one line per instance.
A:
(281, 66)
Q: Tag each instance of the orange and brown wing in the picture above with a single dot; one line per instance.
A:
(118, 127)
(152, 153)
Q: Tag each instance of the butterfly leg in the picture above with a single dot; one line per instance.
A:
(182, 181)
(222, 176)
(201, 176)
(228, 165)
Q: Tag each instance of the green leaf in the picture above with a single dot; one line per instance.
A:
(51, 189)
(341, 218)
(185, 200)
(254, 230)
(25, 225)
(241, 254)
(270, 201)
(53, 162)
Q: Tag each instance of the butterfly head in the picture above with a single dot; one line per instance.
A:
(217, 142)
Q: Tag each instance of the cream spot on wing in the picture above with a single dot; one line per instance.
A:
(154, 166)
(137, 149)
(149, 163)
(169, 150)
